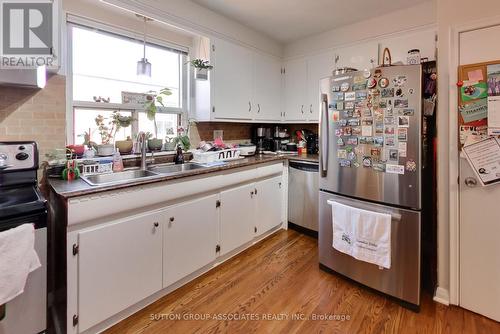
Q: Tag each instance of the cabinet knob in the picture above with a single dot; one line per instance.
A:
(470, 182)
(156, 224)
(311, 108)
(171, 219)
(249, 106)
(302, 109)
(258, 107)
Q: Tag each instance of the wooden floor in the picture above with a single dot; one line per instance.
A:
(279, 277)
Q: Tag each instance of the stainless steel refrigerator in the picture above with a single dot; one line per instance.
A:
(371, 158)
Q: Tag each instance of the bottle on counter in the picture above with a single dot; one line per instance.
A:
(179, 157)
(117, 162)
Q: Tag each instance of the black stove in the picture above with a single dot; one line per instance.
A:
(20, 198)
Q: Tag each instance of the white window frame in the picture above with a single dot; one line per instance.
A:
(76, 21)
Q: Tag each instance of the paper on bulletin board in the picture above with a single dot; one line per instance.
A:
(473, 91)
(494, 115)
(484, 158)
(474, 111)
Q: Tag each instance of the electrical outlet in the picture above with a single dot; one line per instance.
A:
(219, 134)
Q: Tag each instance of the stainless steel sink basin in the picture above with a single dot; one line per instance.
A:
(116, 178)
(174, 169)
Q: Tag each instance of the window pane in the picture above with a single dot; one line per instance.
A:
(112, 68)
(166, 123)
(85, 122)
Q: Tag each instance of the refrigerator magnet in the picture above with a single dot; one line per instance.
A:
(345, 163)
(353, 122)
(342, 154)
(349, 105)
(367, 74)
(367, 113)
(387, 92)
(383, 82)
(351, 156)
(399, 92)
(340, 142)
(367, 162)
(347, 131)
(339, 132)
(407, 112)
(399, 103)
(402, 149)
(389, 112)
(411, 165)
(361, 95)
(359, 150)
(393, 155)
(352, 141)
(355, 163)
(366, 130)
(356, 130)
(399, 81)
(378, 73)
(335, 115)
(356, 113)
(403, 121)
(403, 134)
(382, 104)
(389, 120)
(342, 122)
(335, 89)
(389, 141)
(375, 152)
(344, 87)
(372, 82)
(350, 96)
(411, 91)
(340, 105)
(378, 167)
(379, 128)
(394, 169)
(378, 141)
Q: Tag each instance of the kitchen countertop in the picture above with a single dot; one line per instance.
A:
(79, 187)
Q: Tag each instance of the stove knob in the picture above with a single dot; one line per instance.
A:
(22, 156)
(22, 148)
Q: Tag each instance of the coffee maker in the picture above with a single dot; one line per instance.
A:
(312, 143)
(262, 139)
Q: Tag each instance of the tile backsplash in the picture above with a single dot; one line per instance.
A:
(35, 114)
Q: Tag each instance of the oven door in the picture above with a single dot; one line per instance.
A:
(402, 280)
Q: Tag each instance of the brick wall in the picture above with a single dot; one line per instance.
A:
(35, 114)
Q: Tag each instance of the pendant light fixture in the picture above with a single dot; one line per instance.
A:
(143, 65)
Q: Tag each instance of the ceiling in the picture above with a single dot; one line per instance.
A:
(290, 20)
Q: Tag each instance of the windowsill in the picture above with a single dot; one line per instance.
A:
(132, 156)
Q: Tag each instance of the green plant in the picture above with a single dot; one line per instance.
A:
(108, 127)
(201, 64)
(151, 107)
(182, 139)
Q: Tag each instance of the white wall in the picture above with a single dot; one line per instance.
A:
(195, 18)
(451, 13)
(419, 16)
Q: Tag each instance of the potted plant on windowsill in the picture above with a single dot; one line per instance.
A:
(107, 130)
(153, 98)
(123, 146)
(201, 67)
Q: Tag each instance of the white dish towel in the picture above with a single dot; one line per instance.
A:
(362, 234)
(17, 259)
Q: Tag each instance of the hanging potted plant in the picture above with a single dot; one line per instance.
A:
(201, 67)
(151, 107)
(124, 146)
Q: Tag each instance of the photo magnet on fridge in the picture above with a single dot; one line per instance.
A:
(387, 93)
(403, 121)
(400, 103)
(406, 112)
(402, 134)
(350, 96)
(361, 95)
(393, 155)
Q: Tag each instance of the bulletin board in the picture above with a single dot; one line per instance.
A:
(478, 89)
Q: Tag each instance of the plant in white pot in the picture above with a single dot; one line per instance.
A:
(154, 100)
(107, 128)
(202, 67)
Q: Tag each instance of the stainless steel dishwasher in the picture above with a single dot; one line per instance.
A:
(303, 187)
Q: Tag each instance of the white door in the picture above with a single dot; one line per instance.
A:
(318, 67)
(232, 86)
(237, 215)
(479, 207)
(190, 236)
(267, 88)
(119, 264)
(269, 194)
(295, 90)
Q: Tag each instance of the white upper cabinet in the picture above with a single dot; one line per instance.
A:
(232, 77)
(318, 67)
(399, 46)
(359, 56)
(295, 104)
(267, 88)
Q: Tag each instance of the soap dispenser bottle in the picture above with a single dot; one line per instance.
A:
(179, 157)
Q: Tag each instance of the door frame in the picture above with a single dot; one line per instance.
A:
(454, 153)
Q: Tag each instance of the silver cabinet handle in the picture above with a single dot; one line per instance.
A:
(302, 109)
(249, 106)
(470, 182)
(156, 224)
(311, 108)
(258, 107)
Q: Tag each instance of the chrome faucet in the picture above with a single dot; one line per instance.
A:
(143, 144)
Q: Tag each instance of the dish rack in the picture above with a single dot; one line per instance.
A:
(213, 156)
(97, 168)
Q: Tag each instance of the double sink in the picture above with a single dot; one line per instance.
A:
(141, 174)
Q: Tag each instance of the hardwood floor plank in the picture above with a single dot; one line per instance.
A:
(280, 277)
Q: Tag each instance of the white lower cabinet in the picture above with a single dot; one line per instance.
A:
(119, 264)
(190, 236)
(237, 217)
(268, 204)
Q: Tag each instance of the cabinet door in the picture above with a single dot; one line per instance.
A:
(232, 76)
(267, 88)
(189, 238)
(119, 264)
(295, 90)
(237, 217)
(425, 41)
(318, 67)
(359, 56)
(269, 200)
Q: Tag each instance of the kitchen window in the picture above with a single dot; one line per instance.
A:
(103, 65)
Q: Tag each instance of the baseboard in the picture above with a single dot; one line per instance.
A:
(442, 296)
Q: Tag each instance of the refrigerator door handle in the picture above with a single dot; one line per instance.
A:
(394, 216)
(324, 134)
